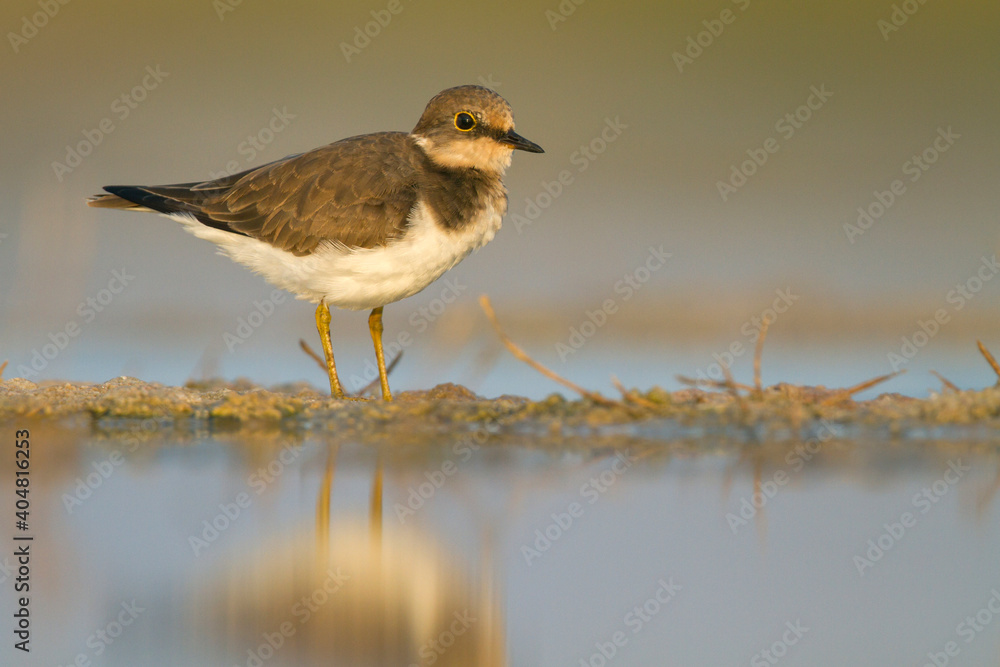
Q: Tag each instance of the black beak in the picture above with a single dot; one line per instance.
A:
(515, 140)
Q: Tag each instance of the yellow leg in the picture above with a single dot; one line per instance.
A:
(375, 325)
(323, 326)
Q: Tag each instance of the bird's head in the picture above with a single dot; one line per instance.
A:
(470, 127)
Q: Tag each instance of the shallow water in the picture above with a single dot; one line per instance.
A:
(860, 553)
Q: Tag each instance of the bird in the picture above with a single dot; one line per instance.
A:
(362, 222)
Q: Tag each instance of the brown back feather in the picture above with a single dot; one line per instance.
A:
(357, 192)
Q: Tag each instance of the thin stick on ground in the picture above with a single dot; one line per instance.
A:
(945, 382)
(2, 367)
(729, 384)
(514, 349)
(367, 388)
(631, 397)
(989, 359)
(758, 351)
(376, 383)
(315, 357)
(714, 384)
(867, 384)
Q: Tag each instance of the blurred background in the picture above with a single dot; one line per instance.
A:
(740, 137)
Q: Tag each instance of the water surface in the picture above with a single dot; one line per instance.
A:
(827, 552)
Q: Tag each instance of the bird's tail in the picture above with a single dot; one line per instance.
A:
(114, 201)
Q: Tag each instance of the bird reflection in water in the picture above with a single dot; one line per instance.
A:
(353, 592)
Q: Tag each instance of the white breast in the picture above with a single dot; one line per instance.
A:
(360, 278)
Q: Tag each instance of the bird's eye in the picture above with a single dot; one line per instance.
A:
(465, 121)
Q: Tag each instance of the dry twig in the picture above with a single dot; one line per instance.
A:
(484, 303)
(374, 384)
(629, 396)
(757, 353)
(989, 359)
(945, 382)
(315, 357)
(714, 384)
(368, 387)
(868, 384)
(2, 367)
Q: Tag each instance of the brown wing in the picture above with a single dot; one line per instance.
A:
(357, 192)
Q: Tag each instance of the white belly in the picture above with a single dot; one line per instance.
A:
(361, 278)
